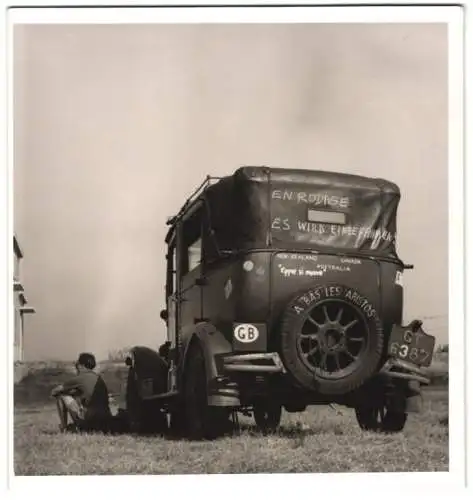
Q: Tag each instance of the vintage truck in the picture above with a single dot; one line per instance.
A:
(283, 290)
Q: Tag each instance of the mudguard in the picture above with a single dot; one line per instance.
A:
(150, 370)
(213, 343)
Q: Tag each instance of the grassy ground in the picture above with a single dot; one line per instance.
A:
(318, 440)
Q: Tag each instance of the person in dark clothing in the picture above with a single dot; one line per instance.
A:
(84, 398)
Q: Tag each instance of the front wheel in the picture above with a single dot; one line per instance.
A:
(267, 416)
(144, 417)
(380, 419)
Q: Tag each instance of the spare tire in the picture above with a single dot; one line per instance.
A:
(331, 339)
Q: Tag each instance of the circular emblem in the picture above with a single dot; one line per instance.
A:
(245, 333)
(248, 265)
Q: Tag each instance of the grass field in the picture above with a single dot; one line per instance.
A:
(319, 440)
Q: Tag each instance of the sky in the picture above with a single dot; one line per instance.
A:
(114, 125)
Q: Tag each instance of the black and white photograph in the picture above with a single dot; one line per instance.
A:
(231, 241)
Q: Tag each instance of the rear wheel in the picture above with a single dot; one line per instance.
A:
(267, 415)
(177, 420)
(202, 421)
(380, 419)
(295, 408)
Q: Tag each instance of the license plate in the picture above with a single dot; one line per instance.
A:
(414, 347)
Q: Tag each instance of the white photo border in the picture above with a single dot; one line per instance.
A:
(276, 485)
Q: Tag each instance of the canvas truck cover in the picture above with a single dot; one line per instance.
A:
(261, 207)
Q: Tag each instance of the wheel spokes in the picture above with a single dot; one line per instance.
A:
(337, 361)
(323, 362)
(313, 336)
(352, 323)
(312, 320)
(327, 318)
(325, 335)
(339, 315)
(354, 358)
(312, 351)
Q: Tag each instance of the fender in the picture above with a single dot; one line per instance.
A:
(149, 368)
(213, 343)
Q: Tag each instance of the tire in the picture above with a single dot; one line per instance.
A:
(380, 419)
(144, 417)
(177, 420)
(133, 403)
(201, 420)
(267, 415)
(331, 339)
(295, 408)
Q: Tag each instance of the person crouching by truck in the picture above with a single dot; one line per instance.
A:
(84, 398)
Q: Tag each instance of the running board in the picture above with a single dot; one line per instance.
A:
(163, 395)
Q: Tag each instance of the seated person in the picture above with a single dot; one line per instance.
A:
(84, 398)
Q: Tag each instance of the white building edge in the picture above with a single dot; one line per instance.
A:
(21, 307)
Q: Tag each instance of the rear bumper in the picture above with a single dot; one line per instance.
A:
(226, 389)
(396, 368)
(261, 363)
(265, 362)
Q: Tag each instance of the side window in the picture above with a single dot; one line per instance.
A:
(171, 270)
(191, 249)
(174, 269)
(194, 254)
